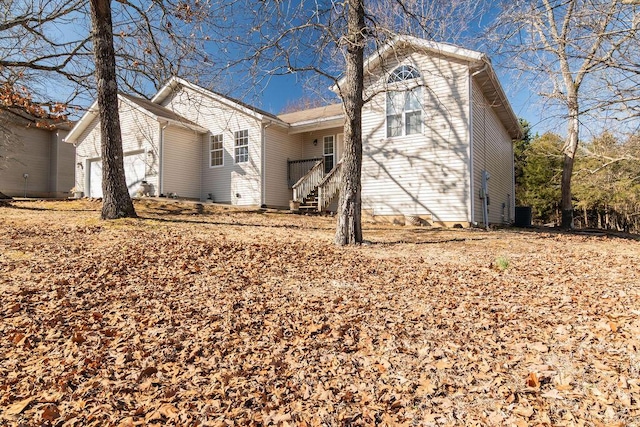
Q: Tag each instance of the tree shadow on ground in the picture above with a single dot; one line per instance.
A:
(229, 223)
(54, 205)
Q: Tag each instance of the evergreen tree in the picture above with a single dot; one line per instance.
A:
(541, 177)
(519, 158)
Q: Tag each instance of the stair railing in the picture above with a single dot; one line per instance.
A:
(309, 182)
(296, 169)
(329, 186)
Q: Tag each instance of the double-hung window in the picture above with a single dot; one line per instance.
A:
(241, 139)
(216, 151)
(404, 107)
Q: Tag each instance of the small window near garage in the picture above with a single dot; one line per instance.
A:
(216, 151)
(241, 138)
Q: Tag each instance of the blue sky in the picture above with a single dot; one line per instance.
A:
(282, 90)
(279, 90)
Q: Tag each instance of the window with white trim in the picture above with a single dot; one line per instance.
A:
(402, 73)
(404, 107)
(328, 151)
(216, 151)
(241, 139)
(404, 112)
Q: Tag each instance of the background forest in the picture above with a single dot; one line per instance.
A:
(606, 180)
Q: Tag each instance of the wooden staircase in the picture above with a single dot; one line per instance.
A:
(315, 191)
(310, 202)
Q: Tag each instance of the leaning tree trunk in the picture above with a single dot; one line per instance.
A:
(570, 149)
(116, 202)
(349, 225)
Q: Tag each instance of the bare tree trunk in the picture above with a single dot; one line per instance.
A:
(349, 224)
(599, 218)
(570, 149)
(116, 202)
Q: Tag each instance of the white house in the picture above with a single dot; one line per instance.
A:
(437, 135)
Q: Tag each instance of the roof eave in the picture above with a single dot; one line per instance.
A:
(82, 124)
(92, 112)
(193, 127)
(312, 125)
(507, 115)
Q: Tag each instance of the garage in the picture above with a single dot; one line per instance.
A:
(134, 172)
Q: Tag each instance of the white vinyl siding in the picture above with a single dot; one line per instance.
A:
(493, 152)
(279, 146)
(182, 158)
(424, 173)
(140, 133)
(235, 183)
(311, 151)
(216, 151)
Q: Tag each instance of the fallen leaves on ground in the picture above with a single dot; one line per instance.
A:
(231, 317)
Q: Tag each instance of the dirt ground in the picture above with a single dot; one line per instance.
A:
(232, 317)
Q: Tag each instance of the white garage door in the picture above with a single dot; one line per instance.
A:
(134, 172)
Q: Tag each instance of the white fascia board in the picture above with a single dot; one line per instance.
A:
(82, 124)
(313, 125)
(165, 90)
(195, 128)
(317, 121)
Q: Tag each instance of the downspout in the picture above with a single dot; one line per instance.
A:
(263, 163)
(512, 201)
(471, 170)
(485, 198)
(163, 126)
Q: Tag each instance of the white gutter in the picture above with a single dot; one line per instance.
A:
(263, 164)
(162, 127)
(317, 121)
(513, 188)
(195, 128)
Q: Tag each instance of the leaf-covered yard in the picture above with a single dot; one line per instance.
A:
(227, 317)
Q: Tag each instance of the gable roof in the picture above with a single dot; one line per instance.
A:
(175, 82)
(479, 66)
(156, 111)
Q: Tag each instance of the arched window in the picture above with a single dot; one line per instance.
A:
(404, 108)
(403, 72)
